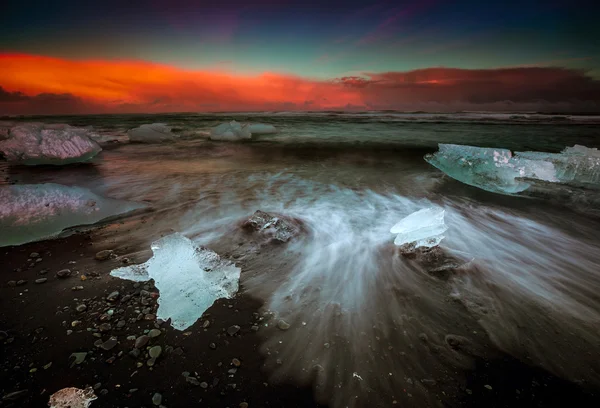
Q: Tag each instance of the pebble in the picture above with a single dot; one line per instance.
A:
(77, 288)
(103, 255)
(232, 330)
(41, 280)
(109, 344)
(38, 260)
(155, 352)
(34, 255)
(63, 274)
(141, 341)
(12, 283)
(204, 384)
(157, 399)
(206, 324)
(212, 346)
(489, 387)
(21, 282)
(121, 324)
(113, 296)
(104, 327)
(151, 362)
(192, 380)
(154, 333)
(254, 328)
(283, 325)
(236, 362)
(243, 405)
(43, 271)
(81, 308)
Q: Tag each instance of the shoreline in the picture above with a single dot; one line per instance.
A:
(36, 317)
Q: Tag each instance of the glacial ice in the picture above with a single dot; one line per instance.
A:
(32, 212)
(577, 164)
(57, 144)
(425, 228)
(72, 398)
(230, 131)
(151, 133)
(498, 170)
(261, 128)
(189, 278)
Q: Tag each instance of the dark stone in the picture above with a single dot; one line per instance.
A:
(63, 274)
(273, 227)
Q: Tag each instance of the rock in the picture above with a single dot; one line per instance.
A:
(236, 362)
(154, 333)
(157, 399)
(232, 330)
(212, 346)
(150, 362)
(79, 358)
(113, 296)
(283, 325)
(121, 324)
(135, 353)
(21, 282)
(63, 274)
(81, 308)
(254, 328)
(489, 387)
(41, 280)
(12, 283)
(204, 385)
(103, 255)
(155, 352)
(141, 341)
(104, 327)
(192, 380)
(34, 255)
(15, 395)
(273, 227)
(74, 288)
(243, 405)
(109, 344)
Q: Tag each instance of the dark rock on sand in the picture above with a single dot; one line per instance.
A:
(41, 280)
(232, 330)
(141, 341)
(103, 255)
(113, 296)
(63, 274)
(273, 227)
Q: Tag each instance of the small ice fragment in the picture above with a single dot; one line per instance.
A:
(58, 144)
(72, 398)
(151, 133)
(31, 212)
(424, 227)
(189, 279)
(230, 131)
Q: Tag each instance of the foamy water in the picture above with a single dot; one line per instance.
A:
(368, 325)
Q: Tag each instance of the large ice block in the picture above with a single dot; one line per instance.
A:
(425, 228)
(151, 133)
(32, 212)
(189, 278)
(495, 170)
(57, 144)
(230, 131)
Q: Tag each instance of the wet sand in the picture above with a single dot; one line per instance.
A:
(35, 319)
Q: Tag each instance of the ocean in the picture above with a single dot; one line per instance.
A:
(530, 281)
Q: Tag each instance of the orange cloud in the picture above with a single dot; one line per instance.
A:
(39, 84)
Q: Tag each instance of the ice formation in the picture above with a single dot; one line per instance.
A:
(37, 143)
(261, 129)
(189, 279)
(277, 228)
(72, 398)
(151, 133)
(230, 131)
(425, 228)
(498, 170)
(577, 164)
(32, 212)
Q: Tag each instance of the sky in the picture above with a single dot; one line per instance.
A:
(109, 56)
